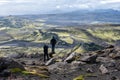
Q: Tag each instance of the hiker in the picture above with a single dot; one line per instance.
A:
(46, 56)
(53, 42)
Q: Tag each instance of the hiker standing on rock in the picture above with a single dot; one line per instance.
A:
(46, 56)
(53, 42)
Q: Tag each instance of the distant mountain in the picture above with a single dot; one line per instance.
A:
(83, 16)
(73, 18)
(13, 21)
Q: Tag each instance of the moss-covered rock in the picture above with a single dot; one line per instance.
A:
(81, 77)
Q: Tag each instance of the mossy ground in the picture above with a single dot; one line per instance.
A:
(68, 35)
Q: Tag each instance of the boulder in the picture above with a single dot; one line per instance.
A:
(116, 56)
(107, 52)
(76, 65)
(51, 61)
(103, 69)
(6, 64)
(70, 58)
(37, 55)
(89, 70)
(111, 64)
(117, 66)
(89, 59)
(100, 52)
(59, 66)
(104, 59)
(13, 55)
(51, 54)
(114, 78)
(33, 63)
(20, 55)
(110, 46)
(5, 73)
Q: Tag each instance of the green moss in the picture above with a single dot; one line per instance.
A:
(109, 35)
(90, 75)
(15, 70)
(81, 77)
(18, 70)
(68, 40)
(34, 73)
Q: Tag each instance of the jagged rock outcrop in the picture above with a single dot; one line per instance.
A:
(6, 64)
(103, 64)
(51, 61)
(89, 59)
(70, 58)
(103, 69)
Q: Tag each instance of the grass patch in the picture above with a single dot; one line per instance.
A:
(63, 34)
(18, 70)
(108, 35)
(68, 40)
(34, 73)
(81, 77)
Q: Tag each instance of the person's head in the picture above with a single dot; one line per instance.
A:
(53, 37)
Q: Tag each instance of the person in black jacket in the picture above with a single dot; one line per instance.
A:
(53, 42)
(46, 56)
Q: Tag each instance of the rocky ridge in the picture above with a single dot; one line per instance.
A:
(98, 65)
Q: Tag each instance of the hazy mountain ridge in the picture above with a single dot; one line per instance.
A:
(66, 19)
(110, 16)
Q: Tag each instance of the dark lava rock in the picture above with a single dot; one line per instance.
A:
(103, 69)
(6, 64)
(110, 46)
(104, 59)
(89, 70)
(5, 73)
(51, 54)
(114, 78)
(89, 59)
(23, 63)
(70, 58)
(117, 56)
(49, 62)
(100, 52)
(33, 63)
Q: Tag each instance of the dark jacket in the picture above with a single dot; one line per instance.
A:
(53, 41)
(45, 49)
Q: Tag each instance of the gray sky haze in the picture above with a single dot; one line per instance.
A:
(21, 7)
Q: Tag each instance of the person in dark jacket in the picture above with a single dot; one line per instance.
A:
(53, 42)
(46, 56)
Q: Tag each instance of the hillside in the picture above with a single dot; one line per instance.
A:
(102, 64)
(24, 32)
(86, 42)
(30, 39)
